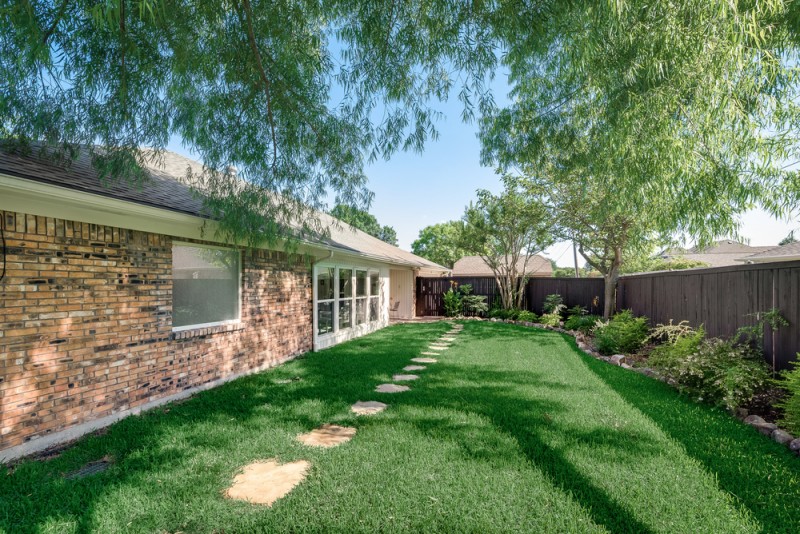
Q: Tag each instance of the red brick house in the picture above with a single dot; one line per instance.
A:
(114, 301)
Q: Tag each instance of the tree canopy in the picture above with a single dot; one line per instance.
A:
(440, 243)
(506, 230)
(365, 222)
(694, 102)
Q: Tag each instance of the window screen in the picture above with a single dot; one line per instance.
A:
(205, 285)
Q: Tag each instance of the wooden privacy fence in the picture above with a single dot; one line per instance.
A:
(586, 292)
(722, 299)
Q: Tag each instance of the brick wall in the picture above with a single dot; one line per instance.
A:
(85, 324)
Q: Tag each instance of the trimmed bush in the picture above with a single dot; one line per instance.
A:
(582, 323)
(527, 316)
(716, 371)
(551, 319)
(623, 333)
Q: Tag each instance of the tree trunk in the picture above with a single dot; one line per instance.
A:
(611, 278)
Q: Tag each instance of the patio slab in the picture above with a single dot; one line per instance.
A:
(391, 388)
(404, 378)
(327, 436)
(267, 481)
(368, 407)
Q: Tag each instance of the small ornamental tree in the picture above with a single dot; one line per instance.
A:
(505, 231)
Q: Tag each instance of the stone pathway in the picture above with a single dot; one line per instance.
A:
(265, 482)
(327, 436)
(391, 388)
(404, 378)
(368, 407)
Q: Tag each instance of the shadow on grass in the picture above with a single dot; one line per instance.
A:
(763, 476)
(36, 495)
(490, 394)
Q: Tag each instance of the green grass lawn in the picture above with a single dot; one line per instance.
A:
(513, 430)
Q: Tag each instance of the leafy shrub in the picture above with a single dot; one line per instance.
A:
(623, 333)
(527, 316)
(576, 310)
(551, 319)
(582, 323)
(551, 302)
(475, 304)
(498, 313)
(719, 372)
(671, 333)
(459, 299)
(753, 335)
(677, 348)
(791, 404)
(452, 303)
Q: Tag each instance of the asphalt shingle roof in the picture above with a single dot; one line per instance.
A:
(168, 188)
(475, 266)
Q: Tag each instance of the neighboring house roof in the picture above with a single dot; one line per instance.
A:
(475, 266)
(168, 189)
(721, 254)
(788, 252)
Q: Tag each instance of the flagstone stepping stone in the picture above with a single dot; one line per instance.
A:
(404, 378)
(439, 348)
(327, 436)
(391, 388)
(267, 481)
(424, 360)
(429, 354)
(367, 407)
(447, 339)
(414, 368)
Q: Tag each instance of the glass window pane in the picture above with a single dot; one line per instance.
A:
(374, 284)
(324, 317)
(361, 283)
(345, 308)
(373, 308)
(325, 283)
(205, 285)
(345, 283)
(361, 311)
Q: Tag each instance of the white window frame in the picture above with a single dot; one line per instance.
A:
(353, 299)
(238, 319)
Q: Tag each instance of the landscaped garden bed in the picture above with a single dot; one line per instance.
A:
(506, 429)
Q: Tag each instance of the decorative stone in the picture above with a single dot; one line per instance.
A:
(391, 388)
(266, 482)
(424, 360)
(618, 359)
(625, 366)
(414, 368)
(327, 436)
(404, 378)
(367, 407)
(781, 436)
(754, 420)
(582, 346)
(794, 445)
(766, 428)
(742, 413)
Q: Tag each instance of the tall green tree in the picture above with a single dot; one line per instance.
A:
(440, 243)
(365, 222)
(694, 102)
(505, 231)
(248, 85)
